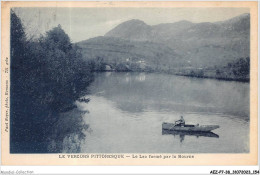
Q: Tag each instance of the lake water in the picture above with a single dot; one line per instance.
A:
(126, 112)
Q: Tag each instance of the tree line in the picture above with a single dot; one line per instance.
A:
(47, 75)
(236, 70)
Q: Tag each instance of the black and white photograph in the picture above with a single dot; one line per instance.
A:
(129, 83)
(129, 80)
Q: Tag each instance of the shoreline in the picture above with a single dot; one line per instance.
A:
(243, 80)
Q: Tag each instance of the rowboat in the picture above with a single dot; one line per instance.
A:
(190, 128)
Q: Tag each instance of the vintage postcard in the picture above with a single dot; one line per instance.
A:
(129, 83)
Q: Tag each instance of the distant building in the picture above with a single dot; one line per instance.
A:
(141, 61)
(108, 68)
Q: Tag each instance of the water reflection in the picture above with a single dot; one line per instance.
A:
(140, 77)
(108, 74)
(162, 92)
(182, 134)
(127, 109)
(68, 132)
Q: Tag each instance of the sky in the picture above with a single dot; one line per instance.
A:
(84, 23)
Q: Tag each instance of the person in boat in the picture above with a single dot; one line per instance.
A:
(180, 122)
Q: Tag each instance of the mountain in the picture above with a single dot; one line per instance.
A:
(138, 30)
(132, 55)
(217, 50)
(164, 31)
(201, 44)
(132, 30)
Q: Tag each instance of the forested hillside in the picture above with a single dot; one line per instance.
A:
(126, 55)
(180, 48)
(202, 44)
